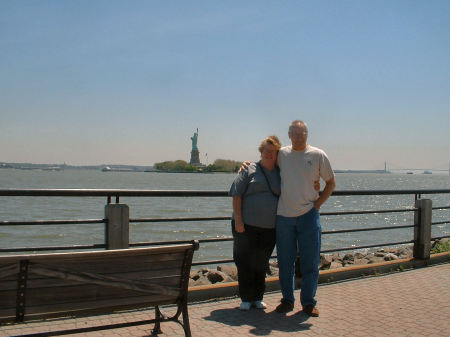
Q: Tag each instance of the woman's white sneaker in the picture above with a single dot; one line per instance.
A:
(260, 305)
(245, 306)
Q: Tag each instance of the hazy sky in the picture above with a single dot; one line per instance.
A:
(109, 82)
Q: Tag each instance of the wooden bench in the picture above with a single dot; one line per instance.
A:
(96, 282)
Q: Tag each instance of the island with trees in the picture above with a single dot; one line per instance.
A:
(219, 165)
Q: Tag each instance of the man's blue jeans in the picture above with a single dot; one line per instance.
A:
(303, 232)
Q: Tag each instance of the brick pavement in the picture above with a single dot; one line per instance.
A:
(409, 303)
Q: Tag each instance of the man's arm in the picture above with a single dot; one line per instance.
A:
(245, 165)
(327, 191)
(237, 211)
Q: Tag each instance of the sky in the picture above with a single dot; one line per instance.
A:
(91, 82)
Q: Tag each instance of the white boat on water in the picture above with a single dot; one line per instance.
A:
(53, 168)
(116, 169)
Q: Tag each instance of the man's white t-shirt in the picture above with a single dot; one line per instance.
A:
(299, 170)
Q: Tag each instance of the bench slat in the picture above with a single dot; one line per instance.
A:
(8, 270)
(144, 276)
(86, 307)
(66, 274)
(90, 255)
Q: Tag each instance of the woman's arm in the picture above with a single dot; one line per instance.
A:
(237, 210)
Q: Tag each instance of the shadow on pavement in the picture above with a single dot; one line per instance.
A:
(263, 323)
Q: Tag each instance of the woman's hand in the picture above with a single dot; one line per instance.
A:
(237, 211)
(239, 226)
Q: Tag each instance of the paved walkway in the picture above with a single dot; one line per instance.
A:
(410, 303)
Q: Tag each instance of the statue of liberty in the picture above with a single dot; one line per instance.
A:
(195, 154)
(194, 141)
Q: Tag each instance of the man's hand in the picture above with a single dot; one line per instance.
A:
(329, 188)
(244, 166)
(317, 185)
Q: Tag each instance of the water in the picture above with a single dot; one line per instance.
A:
(34, 208)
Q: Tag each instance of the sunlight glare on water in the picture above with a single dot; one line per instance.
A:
(38, 208)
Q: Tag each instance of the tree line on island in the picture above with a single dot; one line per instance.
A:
(219, 165)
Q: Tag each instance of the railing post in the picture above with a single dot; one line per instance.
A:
(422, 228)
(117, 226)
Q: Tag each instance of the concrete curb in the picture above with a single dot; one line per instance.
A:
(230, 289)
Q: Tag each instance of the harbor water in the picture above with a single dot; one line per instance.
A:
(58, 208)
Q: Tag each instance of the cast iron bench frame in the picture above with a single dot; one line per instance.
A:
(39, 286)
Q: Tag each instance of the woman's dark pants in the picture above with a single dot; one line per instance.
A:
(251, 253)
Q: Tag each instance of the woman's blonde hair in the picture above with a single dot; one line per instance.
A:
(272, 139)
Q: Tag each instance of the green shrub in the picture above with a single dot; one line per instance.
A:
(440, 247)
(175, 166)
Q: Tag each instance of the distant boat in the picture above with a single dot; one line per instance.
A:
(53, 168)
(116, 169)
(409, 172)
(427, 172)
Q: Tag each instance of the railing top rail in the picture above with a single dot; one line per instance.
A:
(55, 192)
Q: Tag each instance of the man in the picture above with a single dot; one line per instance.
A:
(298, 225)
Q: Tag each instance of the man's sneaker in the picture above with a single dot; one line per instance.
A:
(311, 310)
(259, 305)
(284, 307)
(245, 306)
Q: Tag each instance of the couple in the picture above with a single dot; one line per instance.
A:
(278, 198)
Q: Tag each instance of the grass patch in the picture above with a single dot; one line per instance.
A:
(440, 247)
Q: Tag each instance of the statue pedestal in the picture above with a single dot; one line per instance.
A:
(195, 157)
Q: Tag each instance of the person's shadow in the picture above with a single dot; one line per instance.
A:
(263, 322)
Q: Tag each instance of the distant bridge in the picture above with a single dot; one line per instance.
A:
(415, 169)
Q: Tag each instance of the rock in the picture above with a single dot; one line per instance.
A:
(348, 257)
(440, 241)
(228, 273)
(361, 261)
(273, 271)
(230, 270)
(335, 265)
(336, 257)
(195, 274)
(405, 253)
(325, 261)
(376, 259)
(215, 276)
(202, 281)
(391, 250)
(390, 257)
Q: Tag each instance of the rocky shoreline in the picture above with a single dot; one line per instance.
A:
(228, 273)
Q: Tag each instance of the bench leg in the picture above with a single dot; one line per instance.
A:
(157, 329)
(186, 326)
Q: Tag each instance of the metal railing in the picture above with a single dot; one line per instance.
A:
(115, 238)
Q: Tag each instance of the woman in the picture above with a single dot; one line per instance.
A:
(255, 193)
